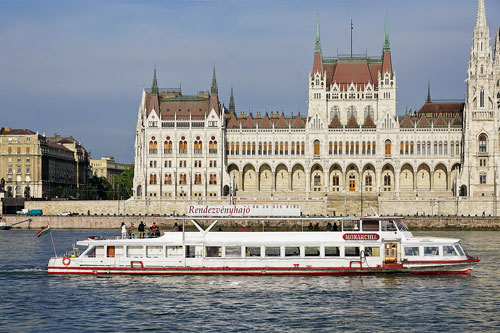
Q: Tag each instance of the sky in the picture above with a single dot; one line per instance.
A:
(78, 67)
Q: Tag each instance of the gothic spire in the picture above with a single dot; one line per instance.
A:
(154, 87)
(429, 92)
(481, 14)
(317, 44)
(214, 90)
(231, 101)
(387, 45)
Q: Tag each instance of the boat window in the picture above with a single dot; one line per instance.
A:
(135, 251)
(155, 251)
(311, 251)
(110, 251)
(412, 251)
(252, 251)
(272, 251)
(449, 251)
(332, 251)
(372, 251)
(370, 225)
(190, 251)
(388, 225)
(350, 225)
(175, 251)
(431, 250)
(401, 225)
(90, 253)
(292, 251)
(214, 251)
(459, 249)
(233, 251)
(351, 251)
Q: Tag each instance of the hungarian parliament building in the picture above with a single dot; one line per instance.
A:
(351, 140)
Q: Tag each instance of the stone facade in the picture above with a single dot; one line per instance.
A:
(350, 144)
(107, 167)
(32, 165)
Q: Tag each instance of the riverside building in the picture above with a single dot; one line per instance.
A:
(350, 145)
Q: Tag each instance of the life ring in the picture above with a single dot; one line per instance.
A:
(66, 261)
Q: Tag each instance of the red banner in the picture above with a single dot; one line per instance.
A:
(361, 237)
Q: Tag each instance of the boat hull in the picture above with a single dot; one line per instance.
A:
(458, 267)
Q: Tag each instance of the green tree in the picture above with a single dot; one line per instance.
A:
(59, 191)
(123, 183)
(100, 189)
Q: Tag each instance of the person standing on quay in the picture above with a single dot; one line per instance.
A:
(124, 230)
(140, 229)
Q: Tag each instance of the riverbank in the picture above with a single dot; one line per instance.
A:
(167, 223)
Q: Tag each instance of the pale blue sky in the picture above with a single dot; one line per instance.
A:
(77, 67)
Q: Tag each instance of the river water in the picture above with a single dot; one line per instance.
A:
(32, 300)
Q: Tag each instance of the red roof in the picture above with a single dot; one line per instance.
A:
(423, 122)
(248, 123)
(406, 122)
(318, 63)
(281, 123)
(56, 145)
(386, 63)
(233, 122)
(440, 122)
(265, 123)
(449, 109)
(369, 122)
(457, 121)
(352, 123)
(298, 122)
(336, 122)
(15, 131)
(357, 72)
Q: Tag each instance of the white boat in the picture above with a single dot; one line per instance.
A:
(368, 245)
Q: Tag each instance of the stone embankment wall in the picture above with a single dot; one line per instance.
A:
(166, 223)
(314, 205)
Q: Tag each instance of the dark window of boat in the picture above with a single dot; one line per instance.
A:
(372, 251)
(233, 251)
(459, 249)
(272, 251)
(401, 225)
(332, 251)
(214, 251)
(190, 251)
(312, 251)
(91, 253)
(351, 251)
(412, 251)
(350, 225)
(292, 251)
(449, 251)
(370, 225)
(431, 250)
(252, 251)
(388, 225)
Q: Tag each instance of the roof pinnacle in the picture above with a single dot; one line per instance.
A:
(214, 90)
(387, 44)
(154, 87)
(231, 101)
(317, 44)
(481, 14)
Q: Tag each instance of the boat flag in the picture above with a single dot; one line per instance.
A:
(43, 231)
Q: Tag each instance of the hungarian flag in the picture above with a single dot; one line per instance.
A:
(43, 231)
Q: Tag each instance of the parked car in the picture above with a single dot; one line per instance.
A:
(23, 211)
(65, 214)
(34, 212)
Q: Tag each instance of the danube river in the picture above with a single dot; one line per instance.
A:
(32, 300)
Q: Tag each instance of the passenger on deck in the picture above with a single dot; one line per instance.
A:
(140, 229)
(329, 226)
(157, 232)
(124, 230)
(316, 227)
(335, 227)
(310, 226)
(131, 230)
(176, 227)
(154, 228)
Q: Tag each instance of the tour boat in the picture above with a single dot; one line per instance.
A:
(365, 245)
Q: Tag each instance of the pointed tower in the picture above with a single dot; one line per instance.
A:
(232, 108)
(478, 176)
(386, 81)
(317, 85)
(214, 95)
(154, 87)
(428, 99)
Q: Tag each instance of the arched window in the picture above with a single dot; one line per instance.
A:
(336, 183)
(352, 182)
(388, 147)
(340, 148)
(418, 147)
(445, 151)
(440, 148)
(369, 112)
(347, 147)
(351, 151)
(368, 148)
(317, 180)
(334, 111)
(182, 179)
(168, 179)
(243, 148)
(232, 148)
(152, 179)
(253, 148)
(481, 98)
(260, 148)
(212, 146)
(351, 111)
(167, 146)
(198, 146)
(293, 148)
(153, 146)
(387, 182)
(316, 148)
(213, 179)
(265, 148)
(412, 145)
(452, 148)
(483, 148)
(197, 179)
(363, 148)
(357, 147)
(281, 148)
(374, 150)
(303, 148)
(183, 146)
(368, 183)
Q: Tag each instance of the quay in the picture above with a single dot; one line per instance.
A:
(166, 223)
